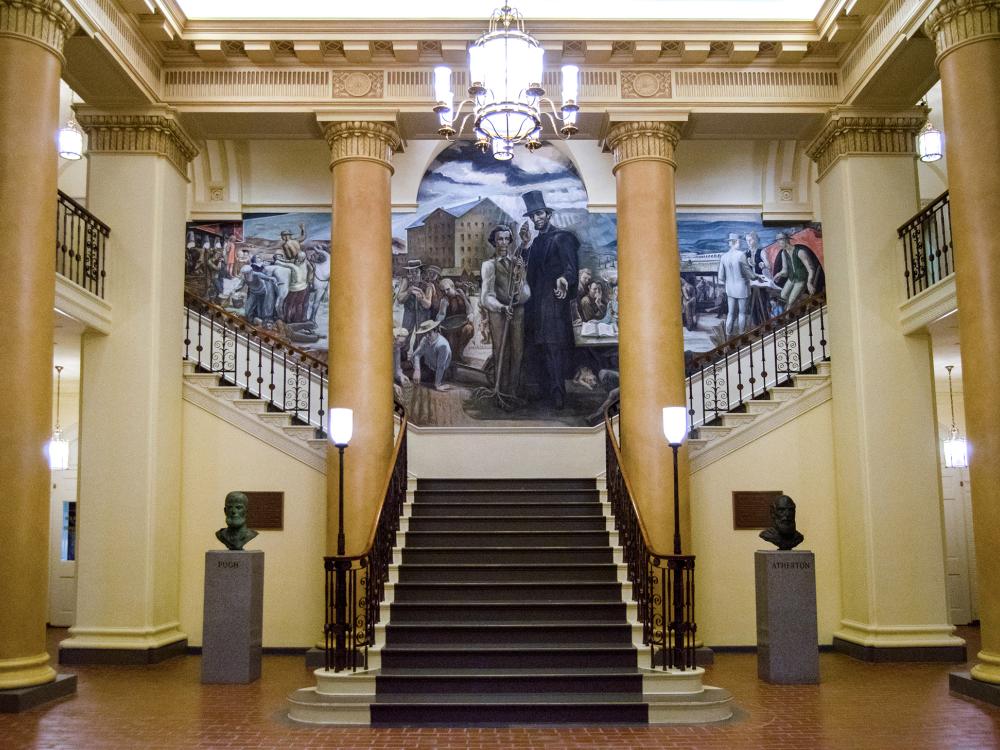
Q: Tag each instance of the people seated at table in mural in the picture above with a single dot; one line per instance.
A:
(453, 317)
(585, 276)
(800, 270)
(552, 275)
(593, 305)
(503, 296)
(432, 356)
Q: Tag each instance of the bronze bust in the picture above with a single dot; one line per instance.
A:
(782, 533)
(235, 534)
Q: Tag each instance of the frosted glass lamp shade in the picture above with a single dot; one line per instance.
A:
(70, 141)
(341, 426)
(570, 83)
(930, 144)
(956, 452)
(58, 452)
(674, 424)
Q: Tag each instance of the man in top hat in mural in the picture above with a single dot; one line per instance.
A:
(552, 275)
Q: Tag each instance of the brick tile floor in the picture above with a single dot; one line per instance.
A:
(857, 706)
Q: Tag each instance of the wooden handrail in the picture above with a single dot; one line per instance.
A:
(802, 306)
(628, 487)
(400, 411)
(274, 340)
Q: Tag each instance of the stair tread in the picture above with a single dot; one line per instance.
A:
(452, 625)
(514, 648)
(554, 699)
(507, 672)
(503, 584)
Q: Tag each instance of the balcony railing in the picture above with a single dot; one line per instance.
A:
(81, 245)
(927, 247)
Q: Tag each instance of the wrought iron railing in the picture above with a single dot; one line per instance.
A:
(355, 584)
(927, 246)
(662, 584)
(81, 245)
(747, 366)
(266, 367)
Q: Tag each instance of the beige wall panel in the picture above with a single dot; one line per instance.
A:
(496, 454)
(287, 173)
(722, 175)
(219, 458)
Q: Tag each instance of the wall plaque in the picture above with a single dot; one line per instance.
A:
(752, 509)
(265, 510)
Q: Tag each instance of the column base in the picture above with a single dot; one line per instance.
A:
(123, 656)
(22, 699)
(142, 645)
(964, 684)
(884, 653)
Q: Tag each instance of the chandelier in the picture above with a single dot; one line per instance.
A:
(956, 454)
(506, 94)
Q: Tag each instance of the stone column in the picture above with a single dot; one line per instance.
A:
(888, 491)
(131, 389)
(32, 33)
(967, 33)
(360, 353)
(650, 335)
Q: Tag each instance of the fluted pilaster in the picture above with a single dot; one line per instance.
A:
(850, 131)
(153, 131)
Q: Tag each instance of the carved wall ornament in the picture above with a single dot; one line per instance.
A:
(362, 140)
(643, 141)
(216, 193)
(358, 84)
(46, 22)
(123, 132)
(786, 193)
(956, 22)
(645, 84)
(850, 132)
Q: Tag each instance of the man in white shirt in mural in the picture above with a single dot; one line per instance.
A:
(736, 274)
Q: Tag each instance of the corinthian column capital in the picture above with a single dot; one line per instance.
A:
(44, 22)
(645, 140)
(956, 22)
(850, 131)
(361, 140)
(153, 130)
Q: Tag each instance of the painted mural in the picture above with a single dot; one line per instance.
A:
(505, 287)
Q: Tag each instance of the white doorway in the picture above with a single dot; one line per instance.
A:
(960, 550)
(62, 549)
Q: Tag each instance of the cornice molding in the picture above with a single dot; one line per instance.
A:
(44, 22)
(361, 140)
(147, 131)
(645, 140)
(852, 131)
(955, 23)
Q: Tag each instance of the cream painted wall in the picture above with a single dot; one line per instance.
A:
(286, 174)
(217, 459)
(797, 459)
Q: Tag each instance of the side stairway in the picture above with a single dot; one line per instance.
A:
(507, 608)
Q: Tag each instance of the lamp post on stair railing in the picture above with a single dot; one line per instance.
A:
(341, 429)
(675, 430)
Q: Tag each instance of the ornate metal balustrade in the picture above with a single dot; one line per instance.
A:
(355, 584)
(927, 247)
(662, 584)
(81, 245)
(292, 379)
(746, 366)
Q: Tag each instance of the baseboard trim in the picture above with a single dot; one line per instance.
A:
(955, 654)
(266, 650)
(823, 648)
(963, 684)
(122, 656)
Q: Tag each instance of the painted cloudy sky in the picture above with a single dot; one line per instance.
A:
(461, 174)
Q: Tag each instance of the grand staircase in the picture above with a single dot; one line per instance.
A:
(508, 607)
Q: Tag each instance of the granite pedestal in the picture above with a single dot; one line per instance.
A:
(234, 612)
(787, 638)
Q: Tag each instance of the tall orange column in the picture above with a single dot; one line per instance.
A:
(967, 33)
(32, 33)
(360, 353)
(651, 338)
